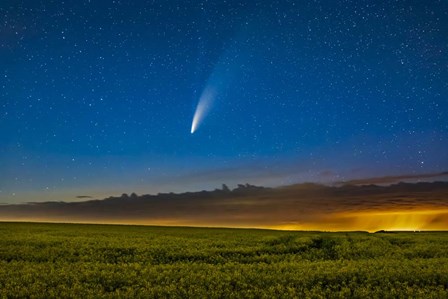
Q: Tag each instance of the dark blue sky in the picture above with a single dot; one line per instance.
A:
(97, 97)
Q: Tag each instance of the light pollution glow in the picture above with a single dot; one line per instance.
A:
(204, 104)
(424, 220)
(420, 220)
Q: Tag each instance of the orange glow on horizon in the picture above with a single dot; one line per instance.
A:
(379, 220)
(371, 221)
(404, 220)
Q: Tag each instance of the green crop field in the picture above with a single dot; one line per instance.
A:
(112, 261)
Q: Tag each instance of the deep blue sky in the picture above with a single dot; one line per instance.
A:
(97, 97)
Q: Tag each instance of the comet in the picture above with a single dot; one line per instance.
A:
(204, 104)
(225, 71)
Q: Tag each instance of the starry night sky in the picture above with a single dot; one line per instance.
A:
(97, 97)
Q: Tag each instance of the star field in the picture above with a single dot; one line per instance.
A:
(97, 97)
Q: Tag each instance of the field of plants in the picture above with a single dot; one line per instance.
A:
(112, 261)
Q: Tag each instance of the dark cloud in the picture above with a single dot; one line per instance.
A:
(83, 196)
(399, 178)
(301, 206)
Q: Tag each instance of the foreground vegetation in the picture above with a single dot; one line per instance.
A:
(91, 261)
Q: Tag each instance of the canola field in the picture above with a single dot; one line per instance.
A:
(116, 261)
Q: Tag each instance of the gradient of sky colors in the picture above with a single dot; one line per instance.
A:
(97, 97)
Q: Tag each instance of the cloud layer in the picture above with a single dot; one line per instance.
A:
(302, 206)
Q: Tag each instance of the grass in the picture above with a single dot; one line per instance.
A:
(112, 261)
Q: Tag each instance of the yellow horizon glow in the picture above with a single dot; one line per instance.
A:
(396, 220)
(370, 221)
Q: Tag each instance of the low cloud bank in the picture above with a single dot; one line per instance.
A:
(413, 206)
